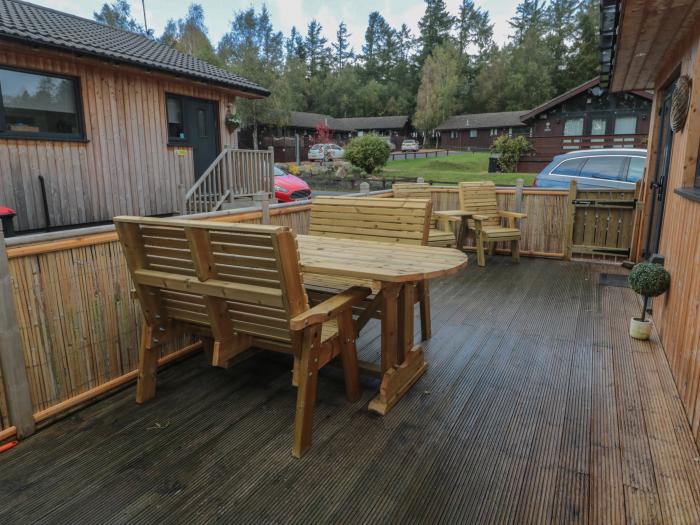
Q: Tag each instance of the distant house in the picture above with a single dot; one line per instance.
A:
(583, 117)
(477, 131)
(304, 125)
(397, 128)
(113, 122)
(586, 117)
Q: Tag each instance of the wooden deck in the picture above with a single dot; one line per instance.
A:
(536, 407)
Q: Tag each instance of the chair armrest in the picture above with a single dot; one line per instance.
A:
(480, 217)
(513, 214)
(330, 308)
(454, 213)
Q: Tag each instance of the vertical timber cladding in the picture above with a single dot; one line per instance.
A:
(676, 314)
(123, 167)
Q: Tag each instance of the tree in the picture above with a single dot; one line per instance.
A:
(118, 15)
(189, 35)
(435, 27)
(475, 45)
(561, 17)
(439, 87)
(342, 52)
(583, 60)
(529, 15)
(317, 54)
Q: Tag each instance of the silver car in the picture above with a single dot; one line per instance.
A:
(410, 145)
(618, 168)
(325, 151)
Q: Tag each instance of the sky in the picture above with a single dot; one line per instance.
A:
(288, 13)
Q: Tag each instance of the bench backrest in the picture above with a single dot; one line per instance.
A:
(480, 198)
(412, 190)
(230, 278)
(404, 221)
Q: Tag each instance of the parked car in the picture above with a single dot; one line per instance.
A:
(290, 188)
(325, 152)
(410, 145)
(618, 168)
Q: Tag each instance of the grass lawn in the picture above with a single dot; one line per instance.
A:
(453, 169)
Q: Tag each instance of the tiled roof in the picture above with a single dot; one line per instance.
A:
(48, 27)
(369, 123)
(504, 119)
(302, 119)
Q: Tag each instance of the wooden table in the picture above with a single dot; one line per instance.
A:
(462, 229)
(396, 268)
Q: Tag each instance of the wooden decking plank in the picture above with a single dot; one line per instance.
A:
(536, 408)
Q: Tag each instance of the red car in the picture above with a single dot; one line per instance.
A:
(289, 188)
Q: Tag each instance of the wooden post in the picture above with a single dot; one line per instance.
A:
(364, 187)
(420, 180)
(14, 372)
(569, 222)
(519, 195)
(263, 198)
(181, 192)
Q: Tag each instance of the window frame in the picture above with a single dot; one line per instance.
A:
(42, 135)
(473, 133)
(178, 141)
(624, 116)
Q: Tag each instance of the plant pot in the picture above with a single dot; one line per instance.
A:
(640, 329)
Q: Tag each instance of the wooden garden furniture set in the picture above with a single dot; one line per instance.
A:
(242, 286)
(479, 213)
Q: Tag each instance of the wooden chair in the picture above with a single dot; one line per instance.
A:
(240, 285)
(372, 219)
(440, 233)
(490, 225)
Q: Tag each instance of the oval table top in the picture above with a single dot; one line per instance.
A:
(388, 262)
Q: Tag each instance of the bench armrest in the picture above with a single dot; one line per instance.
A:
(513, 214)
(480, 217)
(330, 308)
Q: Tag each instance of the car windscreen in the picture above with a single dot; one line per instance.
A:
(605, 167)
(569, 167)
(279, 172)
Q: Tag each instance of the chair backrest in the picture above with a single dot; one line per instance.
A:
(405, 221)
(230, 278)
(480, 197)
(412, 190)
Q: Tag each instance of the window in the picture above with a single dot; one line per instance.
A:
(493, 132)
(607, 167)
(473, 133)
(625, 125)
(510, 132)
(569, 167)
(176, 122)
(635, 171)
(39, 105)
(454, 134)
(573, 127)
(598, 126)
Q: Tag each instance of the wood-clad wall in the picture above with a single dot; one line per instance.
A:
(123, 167)
(677, 313)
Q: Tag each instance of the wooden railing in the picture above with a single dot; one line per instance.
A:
(235, 173)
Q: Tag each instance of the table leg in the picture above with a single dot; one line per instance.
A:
(402, 362)
(462, 235)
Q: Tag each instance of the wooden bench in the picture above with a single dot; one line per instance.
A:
(241, 286)
(404, 221)
(440, 233)
(490, 225)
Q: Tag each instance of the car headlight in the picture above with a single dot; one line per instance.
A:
(281, 189)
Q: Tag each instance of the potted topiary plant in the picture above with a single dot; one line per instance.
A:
(648, 280)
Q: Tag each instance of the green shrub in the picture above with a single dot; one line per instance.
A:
(510, 150)
(649, 280)
(368, 152)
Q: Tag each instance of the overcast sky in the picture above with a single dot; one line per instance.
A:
(288, 13)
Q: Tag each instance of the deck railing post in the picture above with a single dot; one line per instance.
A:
(364, 187)
(519, 195)
(420, 180)
(262, 198)
(569, 222)
(14, 372)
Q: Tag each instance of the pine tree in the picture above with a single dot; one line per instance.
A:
(189, 35)
(529, 15)
(342, 52)
(317, 54)
(583, 60)
(561, 18)
(435, 27)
